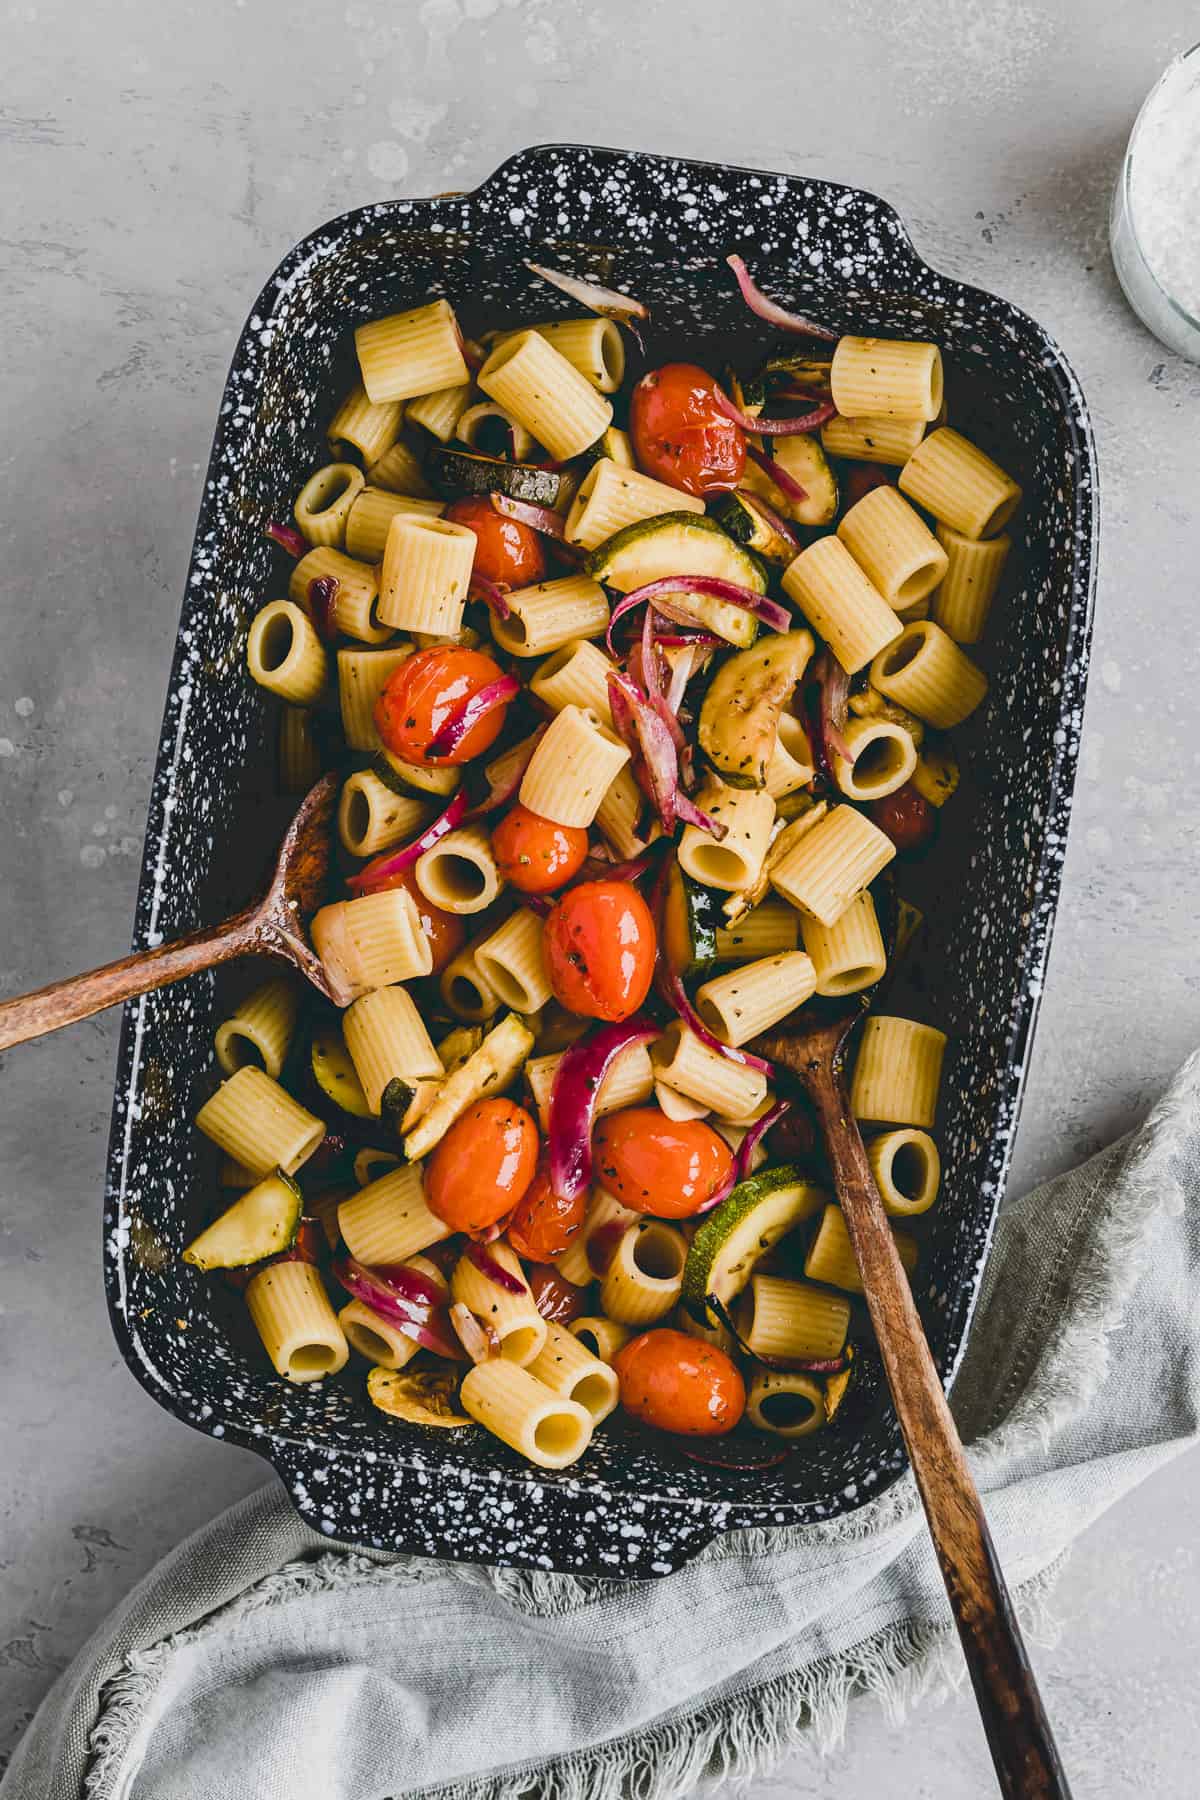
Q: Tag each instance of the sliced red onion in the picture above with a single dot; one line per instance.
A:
(477, 1339)
(652, 679)
(605, 301)
(500, 792)
(467, 714)
(774, 519)
(493, 593)
(490, 1269)
(688, 813)
(577, 1082)
(377, 874)
(759, 427)
(538, 518)
(834, 686)
(698, 640)
(746, 1449)
(769, 612)
(288, 538)
(409, 1284)
(671, 987)
(595, 869)
(641, 728)
(787, 484)
(424, 1327)
(770, 310)
(322, 598)
(745, 1150)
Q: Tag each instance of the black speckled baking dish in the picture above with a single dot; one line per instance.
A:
(659, 229)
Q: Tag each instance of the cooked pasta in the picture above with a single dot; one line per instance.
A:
(515, 1320)
(254, 1120)
(973, 570)
(298, 1326)
(479, 421)
(782, 1318)
(611, 496)
(542, 1426)
(788, 1403)
(898, 1071)
(388, 1221)
(893, 547)
(569, 1368)
(371, 515)
(840, 603)
(299, 753)
(593, 346)
(354, 608)
(576, 675)
(629, 1081)
(677, 1106)
(410, 353)
(459, 873)
(767, 928)
(440, 412)
(426, 574)
(831, 1258)
(387, 1041)
(533, 381)
(739, 1005)
(959, 484)
(603, 1337)
(512, 964)
(371, 815)
(323, 503)
(734, 860)
(605, 1219)
(465, 991)
(572, 768)
(877, 440)
(370, 942)
(554, 613)
(645, 1277)
(284, 653)
(376, 1338)
(884, 759)
(791, 765)
(619, 813)
(837, 859)
(260, 1031)
(731, 1089)
(926, 671)
(886, 378)
(848, 955)
(370, 1163)
(400, 471)
(362, 677)
(907, 1171)
(359, 424)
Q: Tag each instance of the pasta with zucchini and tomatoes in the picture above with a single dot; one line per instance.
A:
(641, 686)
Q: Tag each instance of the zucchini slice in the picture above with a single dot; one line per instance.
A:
(335, 1075)
(683, 543)
(760, 1211)
(487, 1072)
(739, 515)
(688, 928)
(739, 716)
(936, 774)
(805, 461)
(463, 472)
(613, 445)
(421, 1396)
(811, 372)
(261, 1222)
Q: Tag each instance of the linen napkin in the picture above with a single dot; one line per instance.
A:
(259, 1660)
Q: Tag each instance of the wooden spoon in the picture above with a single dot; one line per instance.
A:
(272, 926)
(1018, 1732)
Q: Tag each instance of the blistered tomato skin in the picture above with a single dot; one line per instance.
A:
(545, 1224)
(669, 1168)
(445, 931)
(534, 855)
(681, 436)
(554, 1296)
(506, 551)
(907, 818)
(425, 692)
(482, 1166)
(679, 1383)
(599, 944)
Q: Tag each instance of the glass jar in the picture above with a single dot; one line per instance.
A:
(1168, 306)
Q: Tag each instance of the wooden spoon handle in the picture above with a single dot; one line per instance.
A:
(64, 1002)
(1018, 1732)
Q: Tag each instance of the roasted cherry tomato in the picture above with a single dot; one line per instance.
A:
(671, 1168)
(680, 1383)
(599, 946)
(425, 692)
(446, 931)
(554, 1296)
(681, 436)
(907, 818)
(534, 855)
(860, 478)
(482, 1166)
(506, 550)
(545, 1224)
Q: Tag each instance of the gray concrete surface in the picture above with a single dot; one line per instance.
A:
(157, 162)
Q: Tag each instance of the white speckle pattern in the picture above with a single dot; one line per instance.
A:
(666, 227)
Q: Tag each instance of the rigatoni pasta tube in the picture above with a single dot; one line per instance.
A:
(514, 1318)
(323, 503)
(388, 1220)
(898, 1071)
(886, 378)
(464, 989)
(459, 873)
(907, 1171)
(629, 1082)
(486, 426)
(879, 440)
(554, 613)
(746, 1000)
(372, 816)
(605, 1219)
(426, 574)
(260, 1031)
(576, 675)
(925, 671)
(440, 412)
(767, 928)
(974, 567)
(366, 427)
(840, 603)
(619, 814)
(645, 1277)
(572, 768)
(603, 1337)
(567, 1367)
(688, 1065)
(787, 1402)
(355, 602)
(414, 352)
(839, 857)
(284, 653)
(593, 346)
(370, 943)
(884, 758)
(381, 1342)
(399, 471)
(512, 964)
(258, 1123)
(362, 677)
(849, 955)
(959, 484)
(370, 1163)
(299, 757)
(734, 860)
(540, 1425)
(831, 1256)
(790, 765)
(611, 497)
(781, 1318)
(533, 381)
(298, 1326)
(676, 1105)
(387, 1041)
(893, 547)
(372, 513)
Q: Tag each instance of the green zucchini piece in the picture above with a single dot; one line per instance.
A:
(458, 1044)
(806, 462)
(689, 920)
(334, 1073)
(811, 372)
(683, 543)
(261, 1222)
(748, 392)
(613, 445)
(463, 472)
(760, 1211)
(739, 515)
(739, 716)
(837, 1386)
